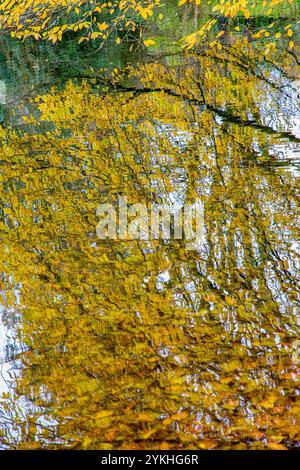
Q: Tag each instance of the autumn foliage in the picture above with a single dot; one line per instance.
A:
(51, 19)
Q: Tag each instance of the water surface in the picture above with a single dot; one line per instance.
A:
(111, 344)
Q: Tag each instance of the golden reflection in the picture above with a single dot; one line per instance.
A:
(132, 344)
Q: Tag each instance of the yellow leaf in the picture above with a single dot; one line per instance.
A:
(275, 446)
(103, 414)
(149, 42)
(102, 26)
(229, 300)
(247, 14)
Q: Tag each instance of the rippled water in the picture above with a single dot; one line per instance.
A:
(145, 344)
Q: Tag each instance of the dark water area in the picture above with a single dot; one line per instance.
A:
(145, 344)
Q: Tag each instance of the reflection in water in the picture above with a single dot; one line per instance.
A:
(143, 344)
